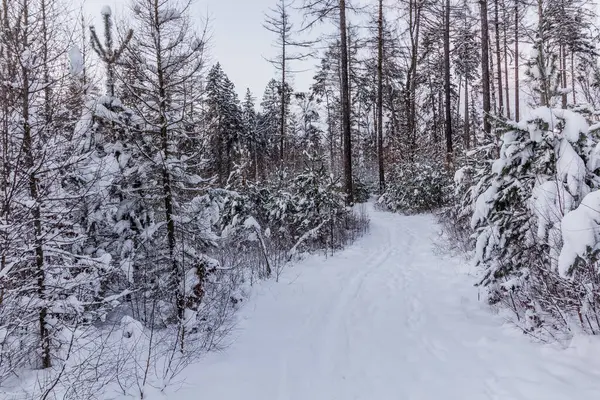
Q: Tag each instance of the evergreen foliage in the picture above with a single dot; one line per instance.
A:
(415, 188)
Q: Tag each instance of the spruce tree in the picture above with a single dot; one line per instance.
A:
(251, 138)
(224, 122)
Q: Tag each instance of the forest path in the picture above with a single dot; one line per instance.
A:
(387, 318)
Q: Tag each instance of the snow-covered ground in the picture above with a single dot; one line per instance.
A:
(387, 318)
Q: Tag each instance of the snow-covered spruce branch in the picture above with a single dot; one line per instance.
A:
(312, 233)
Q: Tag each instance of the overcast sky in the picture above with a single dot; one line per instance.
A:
(238, 41)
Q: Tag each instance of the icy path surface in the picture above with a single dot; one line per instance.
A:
(387, 318)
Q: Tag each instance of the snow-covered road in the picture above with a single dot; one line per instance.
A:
(387, 318)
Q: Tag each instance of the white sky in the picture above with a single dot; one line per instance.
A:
(238, 40)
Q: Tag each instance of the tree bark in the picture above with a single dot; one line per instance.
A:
(448, 98)
(493, 101)
(573, 76)
(565, 79)
(380, 100)
(505, 39)
(517, 100)
(36, 214)
(176, 272)
(45, 58)
(545, 92)
(414, 13)
(498, 58)
(467, 122)
(283, 88)
(485, 67)
(346, 104)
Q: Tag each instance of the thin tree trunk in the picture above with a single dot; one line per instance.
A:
(434, 111)
(545, 92)
(176, 272)
(380, 100)
(45, 58)
(255, 153)
(442, 121)
(83, 53)
(283, 98)
(492, 77)
(485, 67)
(458, 98)
(448, 98)
(467, 121)
(563, 74)
(517, 100)
(330, 134)
(414, 29)
(346, 104)
(573, 77)
(505, 39)
(36, 214)
(498, 59)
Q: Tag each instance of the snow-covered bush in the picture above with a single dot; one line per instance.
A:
(362, 190)
(293, 212)
(525, 215)
(455, 217)
(416, 187)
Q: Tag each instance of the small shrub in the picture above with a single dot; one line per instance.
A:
(416, 188)
(361, 190)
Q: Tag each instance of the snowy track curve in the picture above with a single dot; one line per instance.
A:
(386, 318)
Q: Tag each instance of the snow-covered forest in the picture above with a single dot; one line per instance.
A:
(142, 199)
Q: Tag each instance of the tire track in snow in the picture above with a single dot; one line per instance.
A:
(335, 311)
(334, 328)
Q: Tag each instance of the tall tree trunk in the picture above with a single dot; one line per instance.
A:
(458, 98)
(485, 67)
(346, 104)
(563, 74)
(414, 30)
(330, 134)
(498, 58)
(434, 112)
(176, 272)
(255, 153)
(517, 99)
(36, 214)
(505, 40)
(380, 99)
(493, 81)
(83, 53)
(467, 121)
(573, 77)
(441, 123)
(545, 92)
(448, 97)
(283, 97)
(45, 58)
